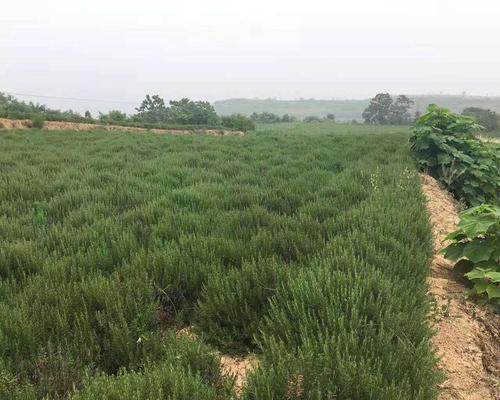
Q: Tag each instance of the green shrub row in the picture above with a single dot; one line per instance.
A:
(445, 146)
(310, 250)
(152, 113)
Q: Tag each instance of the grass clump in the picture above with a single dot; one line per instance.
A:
(189, 371)
(37, 121)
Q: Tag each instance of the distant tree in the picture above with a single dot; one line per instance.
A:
(68, 115)
(10, 107)
(265, 118)
(88, 115)
(490, 120)
(330, 117)
(190, 112)
(114, 116)
(418, 114)
(3, 106)
(384, 110)
(399, 112)
(379, 109)
(288, 118)
(182, 112)
(152, 110)
(312, 118)
(238, 122)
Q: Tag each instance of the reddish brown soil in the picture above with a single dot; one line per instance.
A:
(468, 335)
(73, 126)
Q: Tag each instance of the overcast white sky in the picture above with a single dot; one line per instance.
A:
(216, 49)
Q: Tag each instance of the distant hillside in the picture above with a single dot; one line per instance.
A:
(346, 110)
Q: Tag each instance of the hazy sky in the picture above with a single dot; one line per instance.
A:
(214, 49)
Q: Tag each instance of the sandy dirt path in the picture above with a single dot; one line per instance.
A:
(468, 335)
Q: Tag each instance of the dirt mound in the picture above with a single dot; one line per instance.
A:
(468, 335)
(74, 126)
(15, 123)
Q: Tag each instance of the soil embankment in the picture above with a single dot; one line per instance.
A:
(74, 126)
(468, 335)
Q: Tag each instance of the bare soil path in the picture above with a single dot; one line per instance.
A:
(468, 335)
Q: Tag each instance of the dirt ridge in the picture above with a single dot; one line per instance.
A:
(77, 126)
(467, 335)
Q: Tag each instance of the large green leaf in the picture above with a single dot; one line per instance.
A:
(454, 251)
(456, 235)
(475, 225)
(493, 276)
(481, 286)
(478, 250)
(493, 292)
(476, 274)
(444, 158)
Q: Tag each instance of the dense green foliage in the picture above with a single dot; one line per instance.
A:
(490, 120)
(476, 247)
(238, 122)
(384, 110)
(445, 146)
(182, 112)
(152, 113)
(113, 117)
(312, 118)
(305, 245)
(270, 118)
(12, 108)
(190, 371)
(38, 121)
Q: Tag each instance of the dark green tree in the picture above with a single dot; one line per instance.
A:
(238, 122)
(490, 120)
(379, 109)
(190, 112)
(399, 112)
(384, 110)
(288, 118)
(266, 118)
(312, 118)
(152, 110)
(114, 116)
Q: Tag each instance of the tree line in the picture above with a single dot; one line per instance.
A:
(152, 112)
(271, 118)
